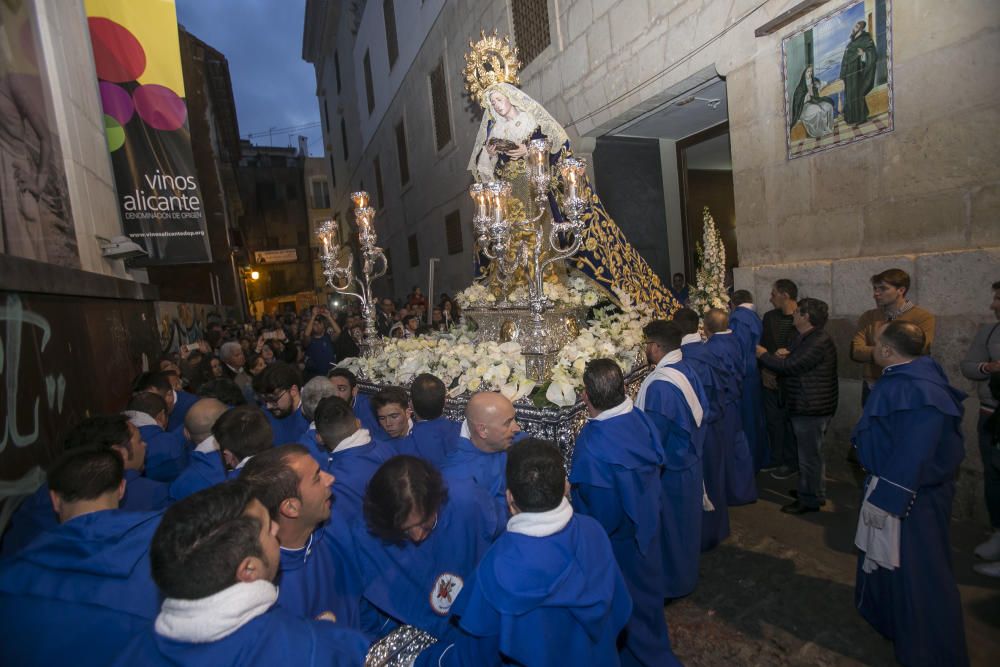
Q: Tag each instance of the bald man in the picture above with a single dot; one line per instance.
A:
(736, 462)
(198, 423)
(479, 452)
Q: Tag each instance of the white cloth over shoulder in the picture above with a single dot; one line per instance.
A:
(217, 616)
(356, 439)
(664, 373)
(622, 408)
(541, 524)
(877, 535)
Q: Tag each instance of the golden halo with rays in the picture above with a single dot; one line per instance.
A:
(491, 60)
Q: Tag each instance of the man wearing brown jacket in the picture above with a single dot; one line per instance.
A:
(890, 289)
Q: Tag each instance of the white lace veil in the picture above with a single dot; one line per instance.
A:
(526, 105)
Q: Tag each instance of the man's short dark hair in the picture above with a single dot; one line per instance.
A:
(402, 486)
(716, 320)
(665, 334)
(279, 376)
(406, 320)
(904, 337)
(787, 287)
(85, 474)
(741, 296)
(100, 431)
(678, 275)
(147, 403)
(388, 395)
(428, 395)
(536, 477)
(223, 389)
(817, 311)
(605, 383)
(244, 431)
(898, 278)
(271, 477)
(202, 540)
(158, 381)
(351, 378)
(335, 420)
(687, 320)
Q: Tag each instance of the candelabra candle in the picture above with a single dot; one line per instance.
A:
(499, 192)
(538, 163)
(360, 199)
(573, 170)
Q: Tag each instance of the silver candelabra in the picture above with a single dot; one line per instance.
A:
(340, 273)
(496, 232)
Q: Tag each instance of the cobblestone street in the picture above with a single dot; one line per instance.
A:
(780, 590)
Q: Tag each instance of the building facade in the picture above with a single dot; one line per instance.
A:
(684, 103)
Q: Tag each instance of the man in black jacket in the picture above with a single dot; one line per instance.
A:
(809, 385)
(777, 335)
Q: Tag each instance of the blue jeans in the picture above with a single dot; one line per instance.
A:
(809, 433)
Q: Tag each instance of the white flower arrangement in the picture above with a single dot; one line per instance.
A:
(710, 287)
(576, 291)
(615, 336)
(462, 365)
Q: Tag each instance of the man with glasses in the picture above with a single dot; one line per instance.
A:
(277, 390)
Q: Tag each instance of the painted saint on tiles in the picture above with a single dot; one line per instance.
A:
(838, 78)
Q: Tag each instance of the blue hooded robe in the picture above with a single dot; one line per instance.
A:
(322, 576)
(276, 637)
(366, 415)
(554, 600)
(289, 428)
(182, 404)
(616, 473)
(910, 436)
(431, 440)
(204, 469)
(681, 482)
(487, 470)
(79, 592)
(417, 583)
(741, 485)
(709, 369)
(747, 328)
(35, 514)
(352, 469)
(166, 453)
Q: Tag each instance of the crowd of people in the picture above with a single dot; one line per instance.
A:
(271, 512)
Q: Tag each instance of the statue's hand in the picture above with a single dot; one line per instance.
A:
(518, 152)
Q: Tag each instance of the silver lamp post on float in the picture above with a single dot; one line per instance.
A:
(340, 273)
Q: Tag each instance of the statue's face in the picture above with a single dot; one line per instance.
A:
(500, 102)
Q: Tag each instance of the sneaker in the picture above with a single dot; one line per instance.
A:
(784, 472)
(988, 569)
(990, 549)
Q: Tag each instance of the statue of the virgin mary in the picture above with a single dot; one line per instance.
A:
(511, 118)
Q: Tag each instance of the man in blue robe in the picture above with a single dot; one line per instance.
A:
(548, 592)
(317, 574)
(313, 392)
(237, 435)
(214, 558)
(35, 514)
(615, 478)
(709, 370)
(345, 385)
(748, 328)
(418, 543)
(80, 591)
(166, 451)
(479, 453)
(432, 432)
(674, 399)
(392, 409)
(183, 401)
(277, 389)
(348, 452)
(909, 441)
(741, 487)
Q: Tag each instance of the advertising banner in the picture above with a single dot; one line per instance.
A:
(137, 57)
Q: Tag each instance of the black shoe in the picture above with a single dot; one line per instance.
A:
(798, 508)
(794, 493)
(784, 472)
(771, 468)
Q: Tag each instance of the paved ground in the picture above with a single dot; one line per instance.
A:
(780, 590)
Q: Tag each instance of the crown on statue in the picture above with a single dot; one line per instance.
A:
(491, 60)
